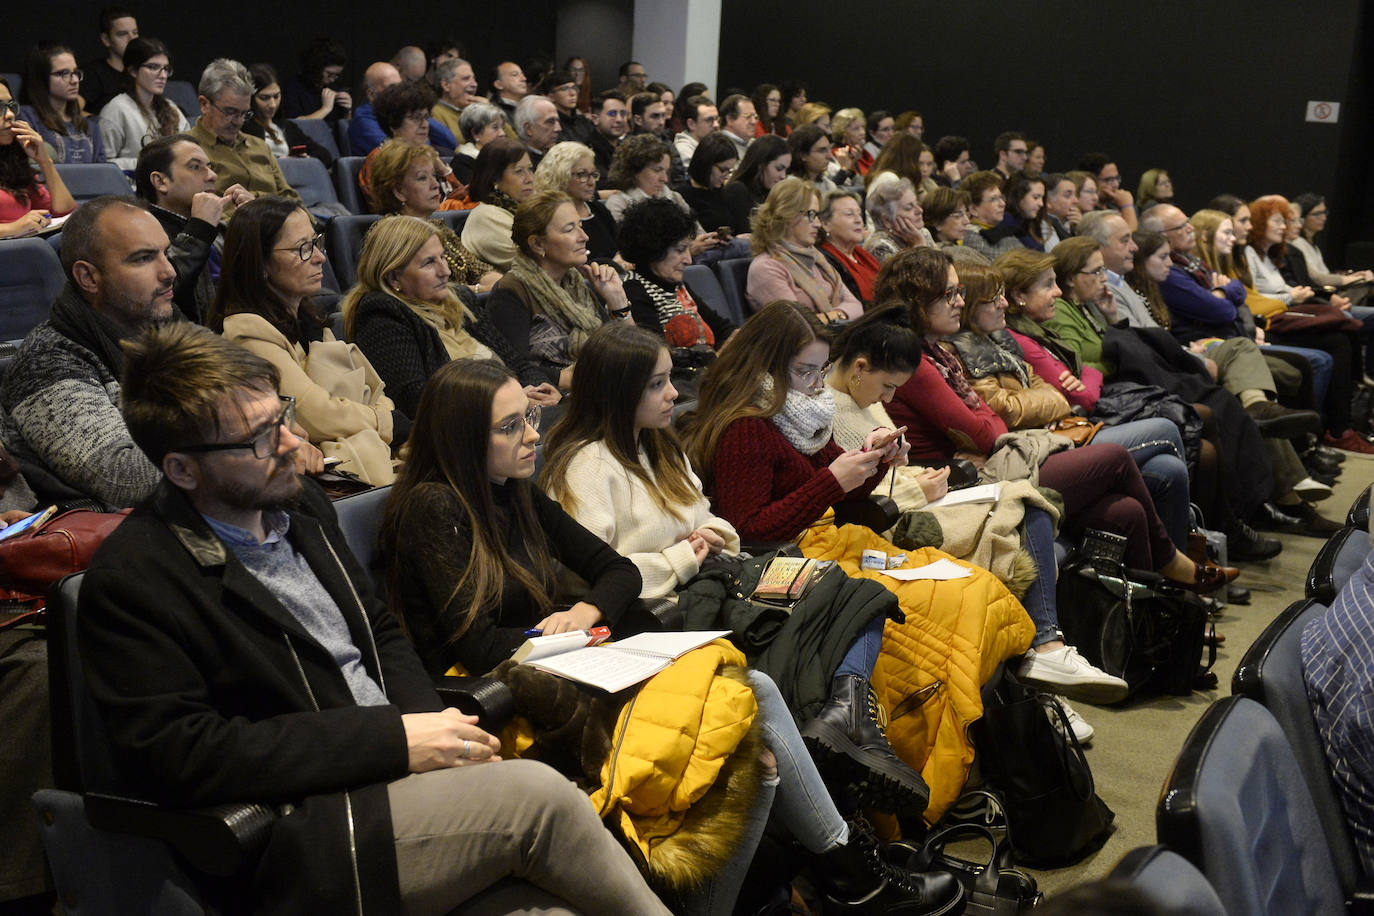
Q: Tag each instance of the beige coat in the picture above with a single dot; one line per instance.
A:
(339, 396)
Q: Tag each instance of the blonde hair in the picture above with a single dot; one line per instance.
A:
(787, 200)
(555, 169)
(392, 161)
(810, 113)
(840, 121)
(391, 244)
(1206, 223)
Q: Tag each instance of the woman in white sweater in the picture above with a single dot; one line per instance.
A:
(141, 113)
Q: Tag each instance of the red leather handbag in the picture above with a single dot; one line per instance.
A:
(31, 562)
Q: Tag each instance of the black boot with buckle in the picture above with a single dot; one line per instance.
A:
(855, 878)
(850, 748)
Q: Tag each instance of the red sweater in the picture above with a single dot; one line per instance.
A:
(862, 266)
(930, 411)
(770, 491)
(1049, 368)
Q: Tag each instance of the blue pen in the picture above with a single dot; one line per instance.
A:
(529, 633)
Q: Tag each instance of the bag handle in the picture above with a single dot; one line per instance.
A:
(1071, 748)
(989, 872)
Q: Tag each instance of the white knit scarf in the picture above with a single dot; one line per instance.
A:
(806, 419)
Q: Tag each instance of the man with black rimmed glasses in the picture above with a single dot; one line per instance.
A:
(237, 652)
(226, 91)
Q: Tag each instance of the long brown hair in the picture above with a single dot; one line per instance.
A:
(38, 71)
(136, 54)
(243, 284)
(613, 369)
(730, 386)
(448, 458)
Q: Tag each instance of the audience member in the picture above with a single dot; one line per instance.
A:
(173, 176)
(952, 160)
(402, 111)
(880, 127)
(310, 93)
(563, 90)
(900, 157)
(52, 87)
(537, 123)
(364, 133)
(411, 63)
(633, 76)
(235, 595)
(786, 263)
(439, 51)
(817, 113)
(705, 191)
(273, 257)
(1156, 187)
(987, 205)
(1313, 210)
(457, 86)
(1061, 209)
(501, 179)
(1035, 157)
(27, 205)
(793, 98)
(811, 157)
(699, 122)
(842, 225)
(508, 87)
(767, 100)
(1112, 195)
(571, 168)
(104, 76)
(1085, 186)
(898, 220)
(481, 123)
(409, 320)
(577, 66)
(610, 117)
(552, 298)
(641, 168)
(141, 113)
(226, 92)
(945, 210)
(1012, 151)
(284, 137)
(738, 119)
(764, 165)
(1025, 210)
(911, 122)
(848, 134)
(61, 397)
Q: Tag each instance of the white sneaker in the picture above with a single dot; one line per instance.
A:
(1081, 729)
(1312, 490)
(1064, 672)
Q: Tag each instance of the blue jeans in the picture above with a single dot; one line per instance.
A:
(1156, 446)
(863, 654)
(1322, 366)
(1039, 601)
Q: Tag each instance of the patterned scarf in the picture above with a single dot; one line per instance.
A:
(571, 304)
(805, 420)
(499, 198)
(677, 311)
(947, 364)
(803, 265)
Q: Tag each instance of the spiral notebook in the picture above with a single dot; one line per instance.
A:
(614, 666)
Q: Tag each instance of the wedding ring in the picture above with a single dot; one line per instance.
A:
(465, 748)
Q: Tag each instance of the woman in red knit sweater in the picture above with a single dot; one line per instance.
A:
(1100, 484)
(760, 434)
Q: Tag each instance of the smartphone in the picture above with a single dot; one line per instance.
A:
(298, 152)
(890, 437)
(24, 524)
(725, 233)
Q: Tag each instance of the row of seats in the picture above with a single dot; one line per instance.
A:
(1250, 802)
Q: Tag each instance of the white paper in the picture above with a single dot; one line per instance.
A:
(668, 645)
(986, 493)
(940, 569)
(600, 667)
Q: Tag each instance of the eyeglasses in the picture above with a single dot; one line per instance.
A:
(1100, 273)
(515, 426)
(949, 295)
(996, 297)
(1183, 225)
(1109, 179)
(809, 215)
(586, 176)
(811, 376)
(263, 445)
(12, 107)
(66, 75)
(307, 248)
(157, 68)
(233, 114)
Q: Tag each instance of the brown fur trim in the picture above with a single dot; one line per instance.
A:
(1023, 572)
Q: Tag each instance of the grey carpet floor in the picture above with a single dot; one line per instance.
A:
(1134, 747)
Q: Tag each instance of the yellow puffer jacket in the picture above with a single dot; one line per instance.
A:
(683, 769)
(932, 666)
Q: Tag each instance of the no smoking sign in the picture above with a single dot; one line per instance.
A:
(1323, 112)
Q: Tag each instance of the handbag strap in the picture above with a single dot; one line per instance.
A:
(990, 872)
(1071, 748)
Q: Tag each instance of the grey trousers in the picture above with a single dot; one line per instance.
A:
(462, 834)
(1241, 366)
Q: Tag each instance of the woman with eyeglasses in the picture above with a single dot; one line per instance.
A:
(708, 172)
(501, 179)
(52, 87)
(640, 170)
(945, 418)
(945, 212)
(141, 113)
(1313, 211)
(787, 265)
(273, 264)
(27, 204)
(280, 135)
(1156, 187)
(571, 168)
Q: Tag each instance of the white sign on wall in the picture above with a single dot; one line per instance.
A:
(1324, 112)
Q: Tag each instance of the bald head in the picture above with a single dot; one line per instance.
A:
(378, 76)
(410, 62)
(1173, 222)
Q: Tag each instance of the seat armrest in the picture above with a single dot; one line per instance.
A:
(484, 697)
(217, 840)
(649, 615)
(878, 513)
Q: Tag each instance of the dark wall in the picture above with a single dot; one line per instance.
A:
(1214, 92)
(198, 33)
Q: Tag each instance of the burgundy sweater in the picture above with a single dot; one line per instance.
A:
(931, 411)
(770, 491)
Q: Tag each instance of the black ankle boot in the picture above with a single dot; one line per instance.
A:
(855, 879)
(849, 745)
(1244, 543)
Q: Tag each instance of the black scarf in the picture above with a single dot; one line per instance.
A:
(75, 319)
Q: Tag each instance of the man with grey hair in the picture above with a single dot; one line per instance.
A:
(536, 121)
(226, 92)
(457, 89)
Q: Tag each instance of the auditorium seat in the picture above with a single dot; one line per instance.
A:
(319, 132)
(1170, 880)
(30, 278)
(1339, 558)
(185, 97)
(310, 179)
(346, 235)
(346, 183)
(733, 276)
(705, 288)
(92, 179)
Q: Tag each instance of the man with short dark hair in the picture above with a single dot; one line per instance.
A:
(702, 119)
(226, 92)
(610, 117)
(880, 127)
(648, 115)
(633, 78)
(61, 394)
(174, 177)
(237, 652)
(1012, 152)
(103, 78)
(536, 121)
(739, 117)
(562, 90)
(508, 87)
(1110, 194)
